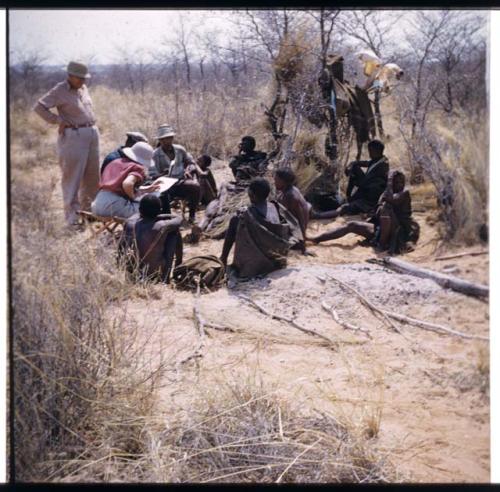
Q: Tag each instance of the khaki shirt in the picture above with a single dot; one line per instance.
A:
(74, 106)
(174, 168)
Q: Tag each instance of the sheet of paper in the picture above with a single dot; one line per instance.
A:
(164, 182)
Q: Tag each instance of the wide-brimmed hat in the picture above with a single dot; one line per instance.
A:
(332, 58)
(137, 136)
(140, 152)
(164, 131)
(78, 69)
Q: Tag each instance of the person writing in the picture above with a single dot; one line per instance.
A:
(119, 191)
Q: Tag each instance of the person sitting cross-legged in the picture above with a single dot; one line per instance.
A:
(392, 226)
(249, 163)
(262, 233)
(150, 240)
(369, 184)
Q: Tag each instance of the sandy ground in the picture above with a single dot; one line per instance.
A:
(424, 389)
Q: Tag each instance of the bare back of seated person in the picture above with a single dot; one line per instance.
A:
(155, 239)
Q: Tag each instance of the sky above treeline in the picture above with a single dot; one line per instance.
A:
(103, 36)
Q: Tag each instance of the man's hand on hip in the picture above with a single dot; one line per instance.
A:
(62, 126)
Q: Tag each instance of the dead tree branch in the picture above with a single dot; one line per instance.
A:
(432, 326)
(445, 281)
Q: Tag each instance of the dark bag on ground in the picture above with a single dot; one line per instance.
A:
(208, 269)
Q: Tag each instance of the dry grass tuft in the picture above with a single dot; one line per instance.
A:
(247, 434)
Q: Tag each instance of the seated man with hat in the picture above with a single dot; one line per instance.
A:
(118, 189)
(173, 160)
(132, 138)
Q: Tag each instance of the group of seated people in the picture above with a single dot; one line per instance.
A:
(262, 233)
(125, 171)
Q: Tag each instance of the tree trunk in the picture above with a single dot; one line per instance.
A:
(378, 115)
(177, 119)
(202, 74)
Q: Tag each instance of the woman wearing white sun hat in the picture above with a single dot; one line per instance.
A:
(118, 194)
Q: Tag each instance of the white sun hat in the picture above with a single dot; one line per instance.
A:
(140, 152)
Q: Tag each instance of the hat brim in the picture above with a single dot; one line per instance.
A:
(86, 77)
(137, 136)
(130, 154)
(165, 135)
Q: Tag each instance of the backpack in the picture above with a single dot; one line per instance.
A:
(210, 271)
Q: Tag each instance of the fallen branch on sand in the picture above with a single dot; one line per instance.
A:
(200, 327)
(292, 322)
(446, 281)
(411, 321)
(215, 326)
(459, 255)
(366, 302)
(344, 324)
(432, 326)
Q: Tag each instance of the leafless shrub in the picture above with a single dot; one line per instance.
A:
(456, 162)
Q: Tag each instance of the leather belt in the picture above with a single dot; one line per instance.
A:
(87, 125)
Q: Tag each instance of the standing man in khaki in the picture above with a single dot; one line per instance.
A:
(78, 141)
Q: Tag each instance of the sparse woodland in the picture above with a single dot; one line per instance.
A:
(89, 379)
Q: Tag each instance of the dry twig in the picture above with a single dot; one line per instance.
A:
(344, 324)
(432, 326)
(200, 327)
(215, 326)
(412, 321)
(332, 343)
(367, 303)
(459, 255)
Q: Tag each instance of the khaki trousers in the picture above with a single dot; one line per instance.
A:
(78, 151)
